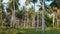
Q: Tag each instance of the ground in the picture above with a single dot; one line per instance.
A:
(20, 30)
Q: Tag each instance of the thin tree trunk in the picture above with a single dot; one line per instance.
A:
(12, 19)
(37, 17)
(37, 21)
(57, 21)
(43, 24)
(13, 16)
(33, 18)
(24, 17)
(27, 19)
(53, 20)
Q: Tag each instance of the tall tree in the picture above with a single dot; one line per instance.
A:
(33, 18)
(37, 16)
(27, 3)
(43, 24)
(55, 4)
(13, 6)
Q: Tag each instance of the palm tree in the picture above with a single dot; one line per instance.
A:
(43, 24)
(12, 7)
(33, 18)
(54, 4)
(27, 17)
(17, 9)
(54, 17)
(43, 21)
(31, 14)
(37, 17)
(24, 16)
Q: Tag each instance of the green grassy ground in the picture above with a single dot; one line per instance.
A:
(27, 31)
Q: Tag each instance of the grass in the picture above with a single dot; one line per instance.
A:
(20, 30)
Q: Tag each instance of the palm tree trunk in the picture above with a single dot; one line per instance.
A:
(33, 18)
(24, 21)
(27, 19)
(43, 24)
(13, 16)
(57, 20)
(37, 18)
(53, 20)
(37, 21)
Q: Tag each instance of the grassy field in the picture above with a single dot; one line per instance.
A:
(20, 30)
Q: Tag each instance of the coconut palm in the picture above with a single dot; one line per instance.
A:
(43, 24)
(27, 3)
(56, 4)
(13, 6)
(33, 18)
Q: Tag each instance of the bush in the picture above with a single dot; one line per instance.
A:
(48, 21)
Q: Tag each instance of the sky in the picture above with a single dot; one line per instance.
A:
(22, 2)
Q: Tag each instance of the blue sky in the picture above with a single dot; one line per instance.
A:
(22, 2)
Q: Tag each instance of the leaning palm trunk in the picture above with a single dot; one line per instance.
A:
(53, 20)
